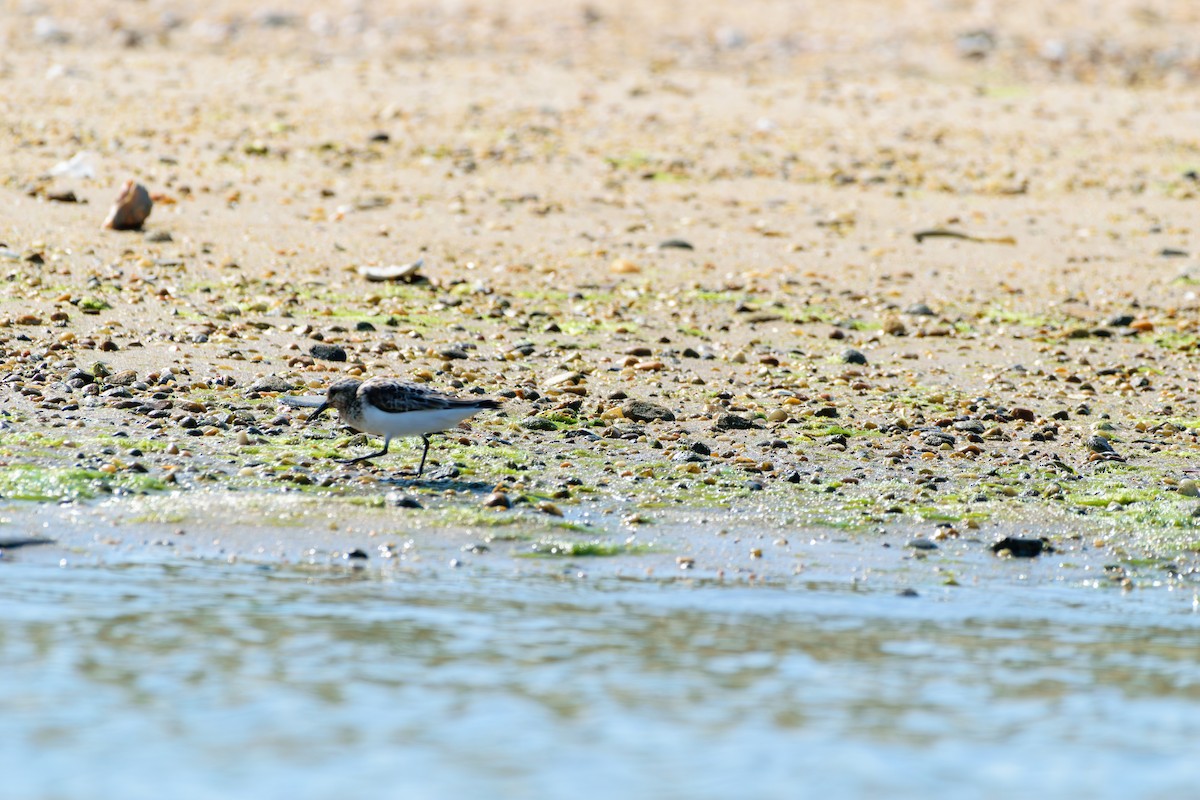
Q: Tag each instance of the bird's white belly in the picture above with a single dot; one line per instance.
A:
(411, 423)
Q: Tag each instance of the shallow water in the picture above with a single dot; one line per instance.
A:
(206, 680)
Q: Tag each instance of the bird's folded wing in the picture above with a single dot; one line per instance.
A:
(302, 401)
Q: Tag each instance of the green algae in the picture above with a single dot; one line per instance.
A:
(53, 484)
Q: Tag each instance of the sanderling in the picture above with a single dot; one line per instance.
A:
(389, 407)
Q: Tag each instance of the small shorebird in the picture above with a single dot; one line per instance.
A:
(389, 407)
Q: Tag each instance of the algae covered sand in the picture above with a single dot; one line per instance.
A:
(849, 273)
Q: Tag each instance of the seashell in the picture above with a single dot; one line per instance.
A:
(130, 209)
(403, 272)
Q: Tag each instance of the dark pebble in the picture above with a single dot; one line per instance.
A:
(407, 501)
(920, 310)
(641, 411)
(1121, 320)
(754, 486)
(497, 500)
(732, 422)
(852, 356)
(327, 352)
(357, 554)
(363, 325)
(826, 411)
(701, 448)
(1022, 548)
(907, 593)
(676, 244)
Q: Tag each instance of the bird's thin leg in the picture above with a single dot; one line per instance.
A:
(382, 452)
(425, 452)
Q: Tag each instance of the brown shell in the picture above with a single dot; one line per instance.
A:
(130, 209)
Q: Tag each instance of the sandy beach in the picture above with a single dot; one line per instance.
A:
(882, 267)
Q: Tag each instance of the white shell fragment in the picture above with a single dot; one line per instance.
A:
(130, 209)
(402, 272)
(302, 401)
(77, 166)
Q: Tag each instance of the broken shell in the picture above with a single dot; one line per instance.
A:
(130, 209)
(402, 272)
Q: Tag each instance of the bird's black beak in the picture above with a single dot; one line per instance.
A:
(321, 410)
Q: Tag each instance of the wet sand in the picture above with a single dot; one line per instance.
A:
(538, 158)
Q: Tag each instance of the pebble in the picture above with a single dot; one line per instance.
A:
(130, 209)
(675, 244)
(327, 352)
(921, 543)
(497, 500)
(1189, 488)
(732, 422)
(852, 356)
(1021, 548)
(271, 383)
(643, 411)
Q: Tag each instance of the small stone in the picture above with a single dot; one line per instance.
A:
(356, 554)
(327, 352)
(852, 356)
(700, 448)
(407, 501)
(130, 209)
(1022, 548)
(497, 500)
(921, 543)
(1188, 488)
(732, 422)
(675, 244)
(920, 310)
(271, 383)
(642, 411)
(623, 266)
(538, 424)
(123, 378)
